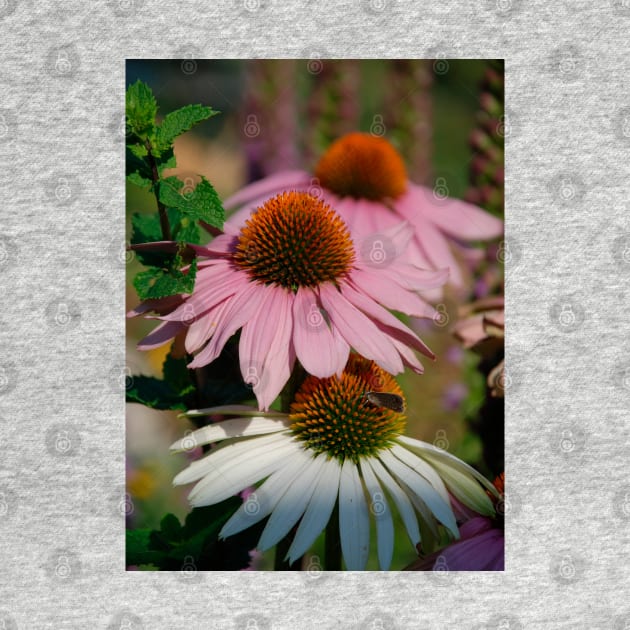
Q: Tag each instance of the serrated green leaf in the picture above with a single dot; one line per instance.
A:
(136, 164)
(139, 180)
(157, 283)
(202, 203)
(146, 228)
(141, 108)
(164, 160)
(156, 393)
(181, 120)
(171, 528)
(138, 150)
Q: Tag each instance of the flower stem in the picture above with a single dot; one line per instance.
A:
(332, 554)
(155, 176)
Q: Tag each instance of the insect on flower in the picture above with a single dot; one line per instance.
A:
(384, 399)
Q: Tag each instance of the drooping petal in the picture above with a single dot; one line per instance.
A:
(422, 468)
(386, 322)
(204, 327)
(265, 498)
(315, 345)
(162, 334)
(383, 517)
(279, 362)
(293, 502)
(433, 453)
(224, 410)
(235, 427)
(458, 219)
(354, 520)
(405, 509)
(241, 308)
(319, 509)
(359, 331)
(423, 489)
(388, 292)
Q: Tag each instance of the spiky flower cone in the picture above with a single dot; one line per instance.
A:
(487, 141)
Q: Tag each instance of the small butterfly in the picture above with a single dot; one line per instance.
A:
(389, 401)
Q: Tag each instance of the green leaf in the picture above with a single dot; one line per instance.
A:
(157, 283)
(146, 229)
(156, 393)
(139, 180)
(202, 203)
(138, 548)
(136, 163)
(165, 159)
(178, 375)
(180, 121)
(141, 108)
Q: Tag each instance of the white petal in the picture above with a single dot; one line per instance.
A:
(261, 502)
(382, 515)
(401, 500)
(422, 468)
(465, 489)
(236, 427)
(423, 489)
(241, 410)
(354, 520)
(293, 502)
(318, 511)
(428, 517)
(433, 453)
(223, 455)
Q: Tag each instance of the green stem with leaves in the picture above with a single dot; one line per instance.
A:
(155, 176)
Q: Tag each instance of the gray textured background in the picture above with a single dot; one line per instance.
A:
(61, 528)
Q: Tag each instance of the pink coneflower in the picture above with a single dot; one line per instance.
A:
(481, 546)
(293, 280)
(364, 178)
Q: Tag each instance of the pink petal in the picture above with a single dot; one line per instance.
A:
(483, 552)
(241, 309)
(204, 327)
(458, 219)
(213, 285)
(268, 186)
(222, 244)
(316, 348)
(386, 322)
(162, 305)
(280, 360)
(161, 335)
(256, 338)
(359, 331)
(388, 292)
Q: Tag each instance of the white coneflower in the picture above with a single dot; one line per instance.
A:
(333, 447)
